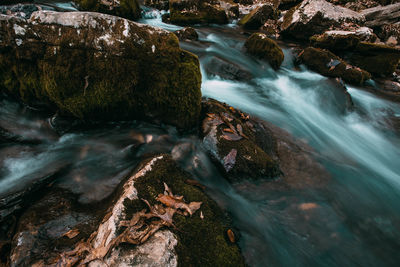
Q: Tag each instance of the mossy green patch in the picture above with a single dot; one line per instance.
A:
(147, 76)
(335, 42)
(255, 158)
(328, 64)
(201, 242)
(258, 16)
(196, 12)
(129, 9)
(376, 58)
(259, 45)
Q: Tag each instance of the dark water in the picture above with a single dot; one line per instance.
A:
(352, 220)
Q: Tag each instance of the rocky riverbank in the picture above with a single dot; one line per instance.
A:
(100, 67)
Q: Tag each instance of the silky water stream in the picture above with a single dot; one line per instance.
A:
(353, 219)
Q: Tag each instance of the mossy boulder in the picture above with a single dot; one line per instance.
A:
(342, 40)
(99, 67)
(315, 17)
(55, 223)
(201, 242)
(187, 33)
(129, 9)
(241, 146)
(258, 16)
(380, 60)
(259, 45)
(189, 12)
(328, 64)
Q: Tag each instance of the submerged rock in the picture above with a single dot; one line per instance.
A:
(187, 33)
(99, 67)
(129, 9)
(259, 45)
(328, 64)
(227, 70)
(189, 12)
(258, 16)
(316, 16)
(242, 146)
(54, 230)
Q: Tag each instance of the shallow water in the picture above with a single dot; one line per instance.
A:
(353, 219)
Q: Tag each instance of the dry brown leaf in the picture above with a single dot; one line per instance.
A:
(71, 233)
(229, 130)
(231, 236)
(231, 137)
(240, 131)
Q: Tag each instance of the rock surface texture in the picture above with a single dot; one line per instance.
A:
(129, 9)
(316, 16)
(189, 12)
(145, 223)
(328, 64)
(259, 45)
(96, 67)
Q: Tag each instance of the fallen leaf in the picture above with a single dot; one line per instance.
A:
(230, 160)
(71, 233)
(231, 137)
(229, 130)
(231, 236)
(240, 131)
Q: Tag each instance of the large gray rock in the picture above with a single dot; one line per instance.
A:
(99, 67)
(316, 16)
(382, 15)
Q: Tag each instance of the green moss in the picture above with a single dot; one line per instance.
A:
(265, 48)
(376, 58)
(162, 86)
(335, 42)
(257, 17)
(201, 242)
(252, 160)
(318, 60)
(189, 13)
(129, 9)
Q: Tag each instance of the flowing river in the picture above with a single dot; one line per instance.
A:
(353, 219)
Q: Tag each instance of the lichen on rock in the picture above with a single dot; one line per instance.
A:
(99, 67)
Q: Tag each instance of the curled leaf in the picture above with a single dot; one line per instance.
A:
(71, 233)
(230, 160)
(231, 236)
(231, 137)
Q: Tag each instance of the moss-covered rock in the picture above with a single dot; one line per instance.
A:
(242, 146)
(99, 67)
(56, 223)
(259, 45)
(342, 40)
(187, 33)
(188, 12)
(258, 16)
(380, 60)
(328, 64)
(201, 242)
(129, 9)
